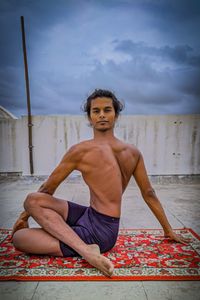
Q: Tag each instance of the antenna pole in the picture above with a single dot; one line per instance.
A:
(30, 145)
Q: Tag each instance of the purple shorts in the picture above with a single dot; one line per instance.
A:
(92, 227)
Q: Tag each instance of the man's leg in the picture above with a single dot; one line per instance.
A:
(36, 241)
(50, 213)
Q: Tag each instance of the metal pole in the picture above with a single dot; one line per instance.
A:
(28, 98)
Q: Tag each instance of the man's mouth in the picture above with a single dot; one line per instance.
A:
(102, 122)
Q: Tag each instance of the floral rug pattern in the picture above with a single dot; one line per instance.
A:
(139, 254)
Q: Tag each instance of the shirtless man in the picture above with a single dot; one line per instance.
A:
(106, 164)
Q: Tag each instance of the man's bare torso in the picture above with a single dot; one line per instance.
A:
(106, 168)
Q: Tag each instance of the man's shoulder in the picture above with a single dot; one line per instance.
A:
(130, 147)
(80, 147)
(134, 149)
(76, 152)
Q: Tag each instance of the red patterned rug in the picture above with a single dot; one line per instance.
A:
(138, 255)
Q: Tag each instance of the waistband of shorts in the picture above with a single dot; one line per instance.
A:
(106, 217)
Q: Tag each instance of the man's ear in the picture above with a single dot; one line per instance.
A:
(90, 121)
(116, 120)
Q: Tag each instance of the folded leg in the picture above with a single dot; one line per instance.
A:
(36, 241)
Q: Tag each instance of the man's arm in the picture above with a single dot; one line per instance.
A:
(66, 166)
(149, 195)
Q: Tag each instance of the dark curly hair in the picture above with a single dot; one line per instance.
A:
(99, 93)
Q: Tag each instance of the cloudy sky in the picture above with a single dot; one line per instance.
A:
(146, 51)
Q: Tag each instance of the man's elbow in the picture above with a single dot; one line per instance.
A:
(46, 189)
(149, 194)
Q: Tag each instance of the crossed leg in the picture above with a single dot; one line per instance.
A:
(36, 241)
(50, 213)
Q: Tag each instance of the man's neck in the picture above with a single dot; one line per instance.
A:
(106, 135)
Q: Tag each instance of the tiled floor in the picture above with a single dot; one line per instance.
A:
(181, 202)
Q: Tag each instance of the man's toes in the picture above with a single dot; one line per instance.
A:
(108, 267)
(111, 269)
(108, 273)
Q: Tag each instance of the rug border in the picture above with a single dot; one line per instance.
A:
(101, 278)
(104, 278)
(146, 229)
(194, 233)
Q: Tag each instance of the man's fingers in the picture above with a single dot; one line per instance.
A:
(185, 241)
(178, 239)
(182, 240)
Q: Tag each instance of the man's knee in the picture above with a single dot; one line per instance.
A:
(31, 200)
(17, 240)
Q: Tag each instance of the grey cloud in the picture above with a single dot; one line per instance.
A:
(179, 9)
(139, 85)
(187, 81)
(172, 16)
(12, 87)
(61, 37)
(181, 54)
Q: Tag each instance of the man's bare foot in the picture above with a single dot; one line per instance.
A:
(99, 261)
(22, 222)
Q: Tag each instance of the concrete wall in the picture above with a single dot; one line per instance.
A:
(10, 145)
(170, 143)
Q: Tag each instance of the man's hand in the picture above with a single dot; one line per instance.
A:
(22, 222)
(177, 238)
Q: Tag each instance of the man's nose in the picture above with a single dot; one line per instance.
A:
(102, 114)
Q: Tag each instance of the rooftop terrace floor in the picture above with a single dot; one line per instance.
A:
(181, 202)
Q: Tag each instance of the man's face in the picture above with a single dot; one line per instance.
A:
(102, 114)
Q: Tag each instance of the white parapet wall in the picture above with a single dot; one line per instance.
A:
(10, 145)
(170, 144)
